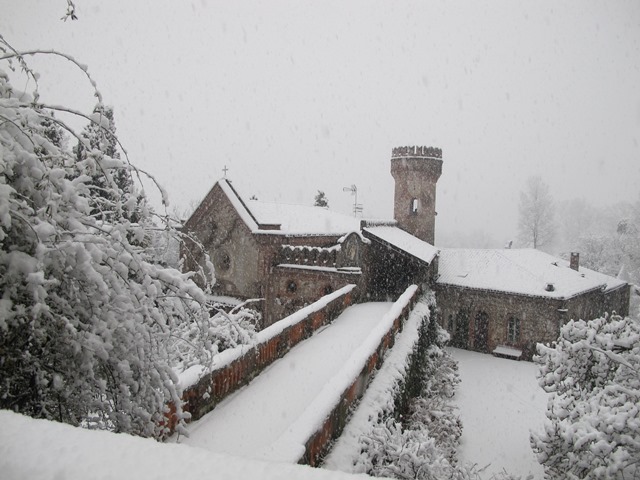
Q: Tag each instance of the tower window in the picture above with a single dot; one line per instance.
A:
(414, 205)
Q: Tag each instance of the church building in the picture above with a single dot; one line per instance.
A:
(494, 301)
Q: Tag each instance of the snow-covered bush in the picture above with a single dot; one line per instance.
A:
(226, 328)
(420, 437)
(399, 452)
(439, 418)
(87, 314)
(593, 427)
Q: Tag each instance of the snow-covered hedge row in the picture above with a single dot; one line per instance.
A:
(406, 426)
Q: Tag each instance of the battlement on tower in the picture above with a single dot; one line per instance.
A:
(416, 171)
(416, 151)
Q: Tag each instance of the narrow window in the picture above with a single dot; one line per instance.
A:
(513, 331)
(414, 205)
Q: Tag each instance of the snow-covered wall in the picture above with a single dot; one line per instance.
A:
(235, 367)
(308, 440)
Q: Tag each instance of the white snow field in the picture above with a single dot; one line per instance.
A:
(44, 450)
(500, 402)
(250, 422)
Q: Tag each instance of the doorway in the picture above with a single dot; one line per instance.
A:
(481, 332)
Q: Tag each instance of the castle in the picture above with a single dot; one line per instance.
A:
(500, 301)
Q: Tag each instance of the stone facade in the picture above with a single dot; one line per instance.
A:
(483, 320)
(239, 258)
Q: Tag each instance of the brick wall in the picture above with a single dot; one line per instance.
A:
(236, 367)
(318, 442)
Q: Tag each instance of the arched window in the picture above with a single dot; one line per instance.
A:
(415, 203)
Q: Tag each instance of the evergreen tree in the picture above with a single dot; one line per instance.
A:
(99, 142)
(52, 131)
(321, 200)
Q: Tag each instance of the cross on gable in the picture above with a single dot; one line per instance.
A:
(225, 170)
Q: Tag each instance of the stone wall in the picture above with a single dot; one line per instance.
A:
(296, 271)
(618, 300)
(290, 288)
(387, 273)
(479, 319)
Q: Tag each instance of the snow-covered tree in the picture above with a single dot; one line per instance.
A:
(97, 141)
(607, 237)
(593, 427)
(89, 320)
(536, 226)
(321, 200)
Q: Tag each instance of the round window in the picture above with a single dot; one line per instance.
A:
(222, 260)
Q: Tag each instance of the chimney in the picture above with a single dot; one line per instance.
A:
(574, 263)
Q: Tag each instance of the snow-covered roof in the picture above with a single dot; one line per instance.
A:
(404, 241)
(520, 271)
(279, 218)
(302, 219)
(238, 204)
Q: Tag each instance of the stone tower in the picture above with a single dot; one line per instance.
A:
(416, 171)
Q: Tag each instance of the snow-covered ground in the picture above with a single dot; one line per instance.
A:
(44, 450)
(250, 422)
(500, 402)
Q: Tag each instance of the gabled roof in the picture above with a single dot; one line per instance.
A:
(519, 271)
(299, 219)
(396, 237)
(278, 218)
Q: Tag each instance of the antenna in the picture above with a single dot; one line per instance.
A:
(357, 207)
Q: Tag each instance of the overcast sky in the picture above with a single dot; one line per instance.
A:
(296, 96)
